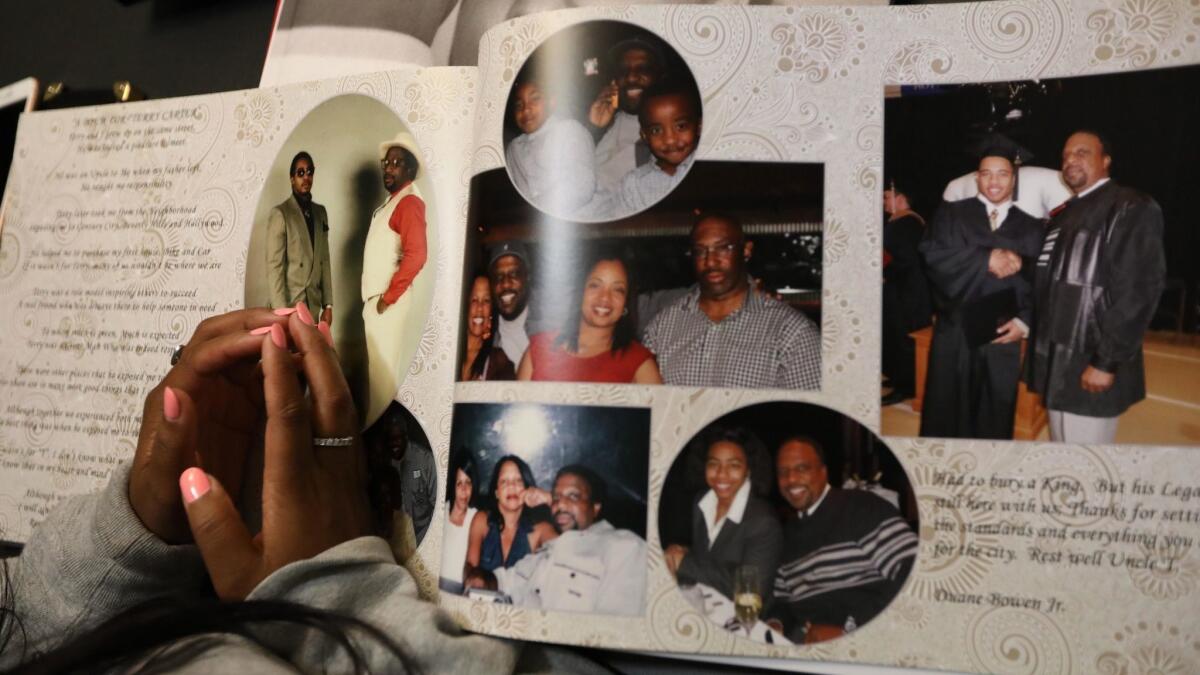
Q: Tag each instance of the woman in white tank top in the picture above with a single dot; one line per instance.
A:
(460, 497)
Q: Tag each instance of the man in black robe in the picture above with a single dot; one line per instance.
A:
(906, 303)
(979, 254)
(1099, 278)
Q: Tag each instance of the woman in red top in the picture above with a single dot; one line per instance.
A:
(597, 343)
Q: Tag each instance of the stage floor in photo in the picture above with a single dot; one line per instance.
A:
(1170, 415)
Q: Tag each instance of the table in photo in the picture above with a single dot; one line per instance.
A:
(720, 610)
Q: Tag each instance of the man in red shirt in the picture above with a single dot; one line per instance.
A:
(394, 256)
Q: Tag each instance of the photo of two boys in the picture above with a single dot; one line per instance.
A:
(603, 120)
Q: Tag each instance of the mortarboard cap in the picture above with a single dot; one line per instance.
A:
(993, 144)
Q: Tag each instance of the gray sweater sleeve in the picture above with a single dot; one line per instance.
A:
(360, 578)
(89, 559)
(92, 558)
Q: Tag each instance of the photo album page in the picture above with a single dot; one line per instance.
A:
(792, 333)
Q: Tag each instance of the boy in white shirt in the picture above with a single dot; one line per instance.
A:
(552, 162)
(670, 119)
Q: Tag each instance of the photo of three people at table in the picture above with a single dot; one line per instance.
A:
(603, 119)
(718, 285)
(810, 500)
(1047, 275)
(546, 506)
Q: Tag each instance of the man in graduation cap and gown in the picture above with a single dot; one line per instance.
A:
(906, 303)
(1099, 278)
(979, 254)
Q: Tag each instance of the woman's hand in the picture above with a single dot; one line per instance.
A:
(206, 412)
(313, 497)
(536, 496)
(673, 557)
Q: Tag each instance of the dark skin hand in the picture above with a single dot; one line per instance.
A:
(820, 632)
(813, 632)
(602, 110)
(216, 377)
(313, 497)
(1008, 333)
(477, 578)
(1096, 381)
(1003, 263)
(673, 557)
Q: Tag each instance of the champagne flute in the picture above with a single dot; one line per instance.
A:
(747, 597)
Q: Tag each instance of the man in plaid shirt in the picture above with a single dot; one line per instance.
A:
(722, 334)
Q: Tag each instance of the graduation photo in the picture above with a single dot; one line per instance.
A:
(1037, 260)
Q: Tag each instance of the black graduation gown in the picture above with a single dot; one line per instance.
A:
(972, 392)
(906, 303)
(1097, 289)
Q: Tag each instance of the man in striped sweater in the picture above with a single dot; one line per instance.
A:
(846, 553)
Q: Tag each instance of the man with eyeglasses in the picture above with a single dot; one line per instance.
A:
(724, 334)
(393, 257)
(590, 567)
(298, 268)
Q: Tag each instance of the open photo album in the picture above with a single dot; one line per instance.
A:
(809, 333)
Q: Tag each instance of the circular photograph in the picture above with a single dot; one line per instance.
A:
(602, 121)
(349, 243)
(788, 523)
(402, 479)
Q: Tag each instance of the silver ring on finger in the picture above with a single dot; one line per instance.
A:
(333, 441)
(177, 354)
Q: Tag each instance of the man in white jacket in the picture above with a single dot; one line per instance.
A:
(591, 566)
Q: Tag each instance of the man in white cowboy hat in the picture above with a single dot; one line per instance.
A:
(393, 257)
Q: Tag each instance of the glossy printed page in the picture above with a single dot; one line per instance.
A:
(128, 224)
(1011, 538)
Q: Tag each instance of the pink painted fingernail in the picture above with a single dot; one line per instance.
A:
(194, 484)
(285, 311)
(261, 331)
(305, 315)
(278, 337)
(170, 404)
(324, 328)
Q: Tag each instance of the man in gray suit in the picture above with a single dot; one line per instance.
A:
(298, 268)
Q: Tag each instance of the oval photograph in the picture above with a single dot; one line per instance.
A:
(340, 229)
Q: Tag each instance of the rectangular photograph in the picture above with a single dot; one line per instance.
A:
(717, 285)
(1037, 276)
(547, 507)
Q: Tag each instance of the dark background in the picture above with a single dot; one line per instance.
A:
(777, 196)
(851, 450)
(166, 47)
(1150, 118)
(563, 55)
(613, 442)
(780, 206)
